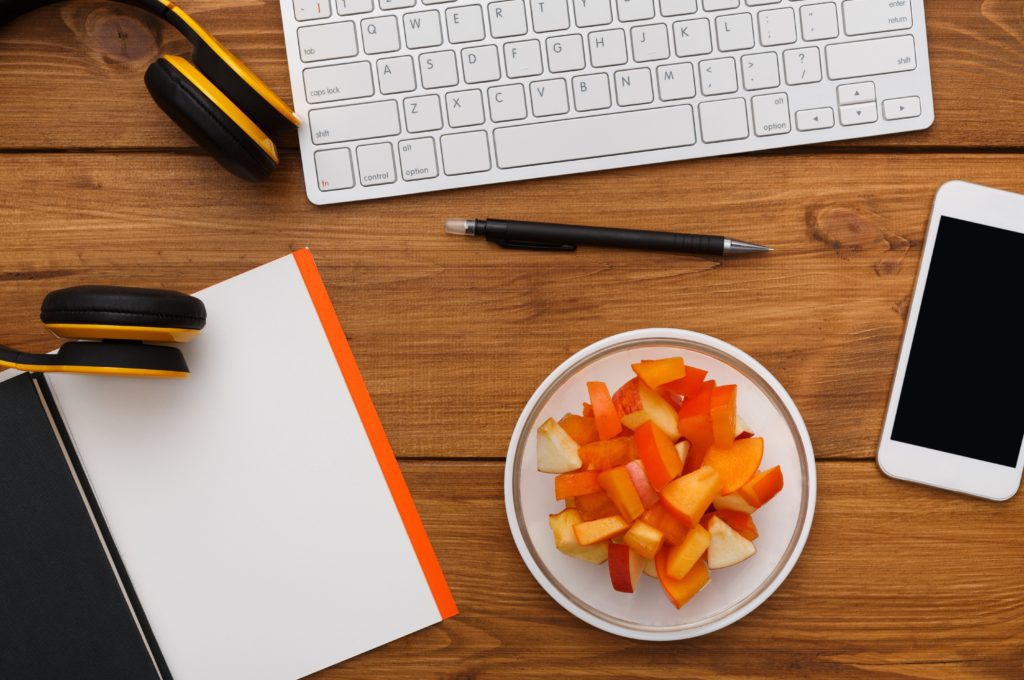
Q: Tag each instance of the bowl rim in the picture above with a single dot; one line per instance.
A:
(623, 341)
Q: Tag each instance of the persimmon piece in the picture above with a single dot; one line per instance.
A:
(682, 557)
(687, 386)
(689, 496)
(605, 416)
(588, 410)
(580, 483)
(762, 487)
(681, 591)
(723, 414)
(741, 522)
(660, 371)
(665, 522)
(597, 530)
(607, 453)
(737, 463)
(595, 505)
(658, 454)
(695, 424)
(644, 539)
(617, 483)
(580, 428)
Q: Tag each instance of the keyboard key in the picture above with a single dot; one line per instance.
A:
(435, 2)
(334, 169)
(777, 26)
(522, 59)
(815, 119)
(346, 7)
(715, 5)
(735, 32)
(802, 65)
(675, 8)
(905, 107)
(549, 98)
(465, 24)
(819, 22)
(591, 93)
(876, 16)
(422, 29)
(771, 114)
(465, 153)
(718, 76)
(311, 9)
(380, 34)
(692, 37)
(675, 81)
(592, 12)
(465, 107)
(723, 120)
(858, 114)
(871, 57)
(759, 3)
(760, 71)
(438, 69)
(376, 164)
(565, 53)
(507, 102)
(417, 158)
(635, 10)
(856, 93)
(396, 74)
(333, 83)
(633, 86)
(354, 122)
(507, 18)
(549, 15)
(422, 113)
(327, 41)
(594, 136)
(607, 48)
(397, 4)
(480, 64)
(650, 42)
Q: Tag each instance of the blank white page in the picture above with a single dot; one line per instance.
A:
(251, 511)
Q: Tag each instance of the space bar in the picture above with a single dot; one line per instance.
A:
(594, 136)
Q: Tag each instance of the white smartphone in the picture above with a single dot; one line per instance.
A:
(956, 411)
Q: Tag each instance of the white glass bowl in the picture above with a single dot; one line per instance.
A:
(585, 589)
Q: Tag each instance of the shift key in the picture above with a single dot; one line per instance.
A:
(354, 122)
(871, 57)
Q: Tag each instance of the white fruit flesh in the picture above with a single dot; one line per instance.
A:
(557, 452)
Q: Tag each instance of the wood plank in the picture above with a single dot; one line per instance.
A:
(72, 74)
(453, 335)
(896, 581)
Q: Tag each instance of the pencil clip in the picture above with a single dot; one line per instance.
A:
(522, 245)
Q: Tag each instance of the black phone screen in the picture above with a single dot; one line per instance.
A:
(963, 392)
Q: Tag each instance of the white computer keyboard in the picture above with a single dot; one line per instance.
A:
(405, 96)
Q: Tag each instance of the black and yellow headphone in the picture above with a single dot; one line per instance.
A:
(110, 328)
(214, 98)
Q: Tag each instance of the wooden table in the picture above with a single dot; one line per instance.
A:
(896, 580)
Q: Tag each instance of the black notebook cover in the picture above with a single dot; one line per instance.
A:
(64, 613)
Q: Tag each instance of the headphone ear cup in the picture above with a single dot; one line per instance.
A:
(114, 312)
(210, 118)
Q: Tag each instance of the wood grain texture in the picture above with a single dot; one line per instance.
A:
(83, 62)
(896, 581)
(453, 335)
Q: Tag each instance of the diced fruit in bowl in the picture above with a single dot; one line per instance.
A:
(565, 538)
(624, 567)
(662, 478)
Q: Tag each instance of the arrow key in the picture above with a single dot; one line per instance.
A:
(856, 93)
(858, 114)
(907, 107)
(815, 119)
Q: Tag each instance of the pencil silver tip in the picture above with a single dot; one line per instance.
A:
(734, 247)
(460, 227)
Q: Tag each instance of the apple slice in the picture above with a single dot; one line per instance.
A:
(644, 539)
(557, 452)
(624, 567)
(740, 521)
(636, 397)
(651, 569)
(648, 496)
(733, 502)
(565, 538)
(727, 546)
(743, 430)
(683, 449)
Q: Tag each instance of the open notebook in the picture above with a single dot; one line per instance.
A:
(259, 526)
